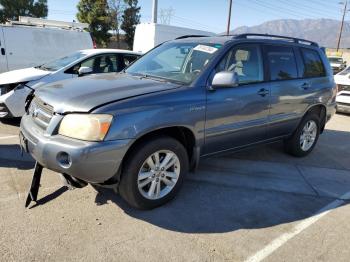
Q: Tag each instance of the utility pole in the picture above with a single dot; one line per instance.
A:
(154, 11)
(229, 17)
(342, 22)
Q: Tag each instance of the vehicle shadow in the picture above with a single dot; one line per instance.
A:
(11, 121)
(50, 197)
(11, 157)
(206, 208)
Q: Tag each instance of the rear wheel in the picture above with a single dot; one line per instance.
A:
(153, 173)
(304, 139)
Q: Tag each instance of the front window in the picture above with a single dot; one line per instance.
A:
(176, 62)
(246, 62)
(61, 62)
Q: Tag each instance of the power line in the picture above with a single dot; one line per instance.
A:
(278, 9)
(345, 10)
(284, 9)
(308, 8)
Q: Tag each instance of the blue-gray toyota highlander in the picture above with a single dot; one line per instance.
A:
(142, 130)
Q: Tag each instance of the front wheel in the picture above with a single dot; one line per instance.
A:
(153, 172)
(304, 139)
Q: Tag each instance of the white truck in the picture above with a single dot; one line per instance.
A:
(34, 41)
(149, 35)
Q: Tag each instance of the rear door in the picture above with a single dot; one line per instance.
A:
(238, 116)
(288, 89)
(3, 58)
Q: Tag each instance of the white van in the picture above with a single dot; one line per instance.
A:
(32, 41)
(149, 35)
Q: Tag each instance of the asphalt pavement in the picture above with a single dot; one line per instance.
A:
(254, 205)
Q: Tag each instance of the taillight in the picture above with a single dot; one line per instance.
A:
(94, 43)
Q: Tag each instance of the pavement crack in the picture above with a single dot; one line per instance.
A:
(306, 181)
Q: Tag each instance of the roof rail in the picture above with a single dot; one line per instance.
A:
(31, 21)
(188, 36)
(294, 39)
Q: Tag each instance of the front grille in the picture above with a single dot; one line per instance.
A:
(343, 88)
(343, 104)
(41, 112)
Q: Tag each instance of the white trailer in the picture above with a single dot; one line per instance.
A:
(149, 35)
(33, 41)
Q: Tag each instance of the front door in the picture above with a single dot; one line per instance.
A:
(3, 58)
(238, 116)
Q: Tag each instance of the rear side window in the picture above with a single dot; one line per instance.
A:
(313, 66)
(282, 63)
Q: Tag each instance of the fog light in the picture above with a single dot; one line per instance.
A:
(64, 159)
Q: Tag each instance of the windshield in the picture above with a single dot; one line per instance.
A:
(62, 62)
(335, 59)
(175, 62)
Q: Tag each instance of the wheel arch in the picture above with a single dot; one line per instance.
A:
(321, 111)
(181, 133)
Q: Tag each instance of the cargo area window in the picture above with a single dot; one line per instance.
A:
(282, 63)
(313, 66)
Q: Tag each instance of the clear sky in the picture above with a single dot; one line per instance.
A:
(211, 15)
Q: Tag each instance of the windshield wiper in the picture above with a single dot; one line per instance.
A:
(42, 67)
(160, 79)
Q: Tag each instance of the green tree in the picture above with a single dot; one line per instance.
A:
(116, 9)
(131, 17)
(95, 13)
(12, 9)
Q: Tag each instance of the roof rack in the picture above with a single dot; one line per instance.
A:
(188, 36)
(294, 39)
(31, 21)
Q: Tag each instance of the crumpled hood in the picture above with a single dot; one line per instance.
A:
(22, 75)
(85, 93)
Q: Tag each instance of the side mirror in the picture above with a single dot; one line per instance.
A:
(84, 70)
(225, 79)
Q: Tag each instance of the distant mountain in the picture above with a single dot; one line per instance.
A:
(323, 31)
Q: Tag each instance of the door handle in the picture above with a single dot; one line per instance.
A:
(263, 92)
(3, 51)
(305, 86)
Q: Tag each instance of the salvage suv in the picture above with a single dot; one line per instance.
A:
(142, 130)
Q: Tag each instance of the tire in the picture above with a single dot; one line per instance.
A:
(137, 183)
(294, 145)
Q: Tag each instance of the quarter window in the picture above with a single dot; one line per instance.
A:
(313, 66)
(246, 62)
(282, 63)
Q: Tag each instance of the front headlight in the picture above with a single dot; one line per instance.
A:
(90, 127)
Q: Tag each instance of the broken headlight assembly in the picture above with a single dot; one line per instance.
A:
(4, 89)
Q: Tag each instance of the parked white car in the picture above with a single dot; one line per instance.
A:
(342, 79)
(15, 86)
(337, 63)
